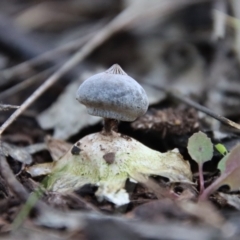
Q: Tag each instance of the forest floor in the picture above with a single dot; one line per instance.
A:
(186, 56)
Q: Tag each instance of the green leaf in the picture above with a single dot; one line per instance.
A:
(221, 148)
(200, 147)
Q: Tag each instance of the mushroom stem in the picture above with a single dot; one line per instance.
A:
(110, 125)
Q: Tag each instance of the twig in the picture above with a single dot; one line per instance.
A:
(5, 107)
(23, 85)
(122, 21)
(179, 96)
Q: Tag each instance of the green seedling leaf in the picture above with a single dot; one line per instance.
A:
(222, 164)
(230, 173)
(221, 149)
(200, 147)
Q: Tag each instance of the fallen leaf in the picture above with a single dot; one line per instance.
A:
(40, 170)
(159, 211)
(66, 110)
(57, 147)
(231, 199)
(204, 211)
(22, 154)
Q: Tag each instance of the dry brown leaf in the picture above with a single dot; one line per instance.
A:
(66, 116)
(21, 154)
(56, 147)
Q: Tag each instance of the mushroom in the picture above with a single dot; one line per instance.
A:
(107, 159)
(113, 95)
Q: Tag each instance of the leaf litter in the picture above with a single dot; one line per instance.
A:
(185, 64)
(66, 110)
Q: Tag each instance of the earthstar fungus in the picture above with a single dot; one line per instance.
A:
(113, 95)
(107, 159)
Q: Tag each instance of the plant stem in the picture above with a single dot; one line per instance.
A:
(110, 125)
(213, 187)
(201, 178)
(27, 207)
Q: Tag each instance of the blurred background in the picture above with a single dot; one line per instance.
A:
(189, 47)
(192, 46)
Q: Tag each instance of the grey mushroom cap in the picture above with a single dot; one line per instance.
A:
(113, 94)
